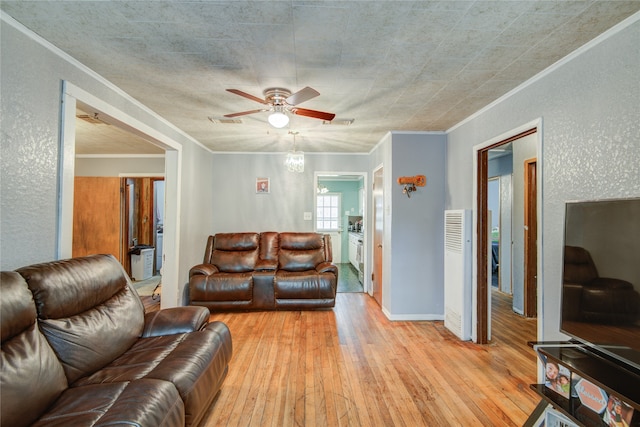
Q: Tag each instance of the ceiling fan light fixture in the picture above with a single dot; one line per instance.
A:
(278, 119)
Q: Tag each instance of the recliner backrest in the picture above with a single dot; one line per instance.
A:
(87, 310)
(301, 251)
(235, 252)
(32, 377)
(269, 245)
(578, 266)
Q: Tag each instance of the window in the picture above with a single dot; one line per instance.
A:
(328, 214)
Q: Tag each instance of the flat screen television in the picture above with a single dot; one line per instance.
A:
(601, 277)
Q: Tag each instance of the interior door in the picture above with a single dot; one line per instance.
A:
(378, 233)
(530, 240)
(96, 216)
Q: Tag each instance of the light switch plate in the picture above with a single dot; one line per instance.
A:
(307, 216)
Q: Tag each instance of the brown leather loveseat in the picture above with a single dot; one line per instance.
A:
(265, 271)
(79, 350)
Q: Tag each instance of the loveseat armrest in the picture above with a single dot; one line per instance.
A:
(327, 267)
(266, 265)
(175, 320)
(203, 269)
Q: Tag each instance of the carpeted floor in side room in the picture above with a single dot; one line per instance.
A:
(146, 287)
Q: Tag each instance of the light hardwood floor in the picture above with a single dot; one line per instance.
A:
(350, 366)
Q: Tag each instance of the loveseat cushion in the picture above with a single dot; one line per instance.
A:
(235, 252)
(145, 402)
(301, 251)
(222, 287)
(86, 309)
(196, 363)
(32, 378)
(304, 285)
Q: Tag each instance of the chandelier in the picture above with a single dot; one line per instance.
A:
(295, 159)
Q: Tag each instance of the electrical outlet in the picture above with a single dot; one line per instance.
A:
(307, 216)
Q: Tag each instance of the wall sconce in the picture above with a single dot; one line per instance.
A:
(410, 183)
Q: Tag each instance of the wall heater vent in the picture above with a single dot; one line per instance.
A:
(457, 272)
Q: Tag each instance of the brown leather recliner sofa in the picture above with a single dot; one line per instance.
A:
(78, 349)
(265, 271)
(591, 298)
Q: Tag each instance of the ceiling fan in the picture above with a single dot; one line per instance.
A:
(279, 101)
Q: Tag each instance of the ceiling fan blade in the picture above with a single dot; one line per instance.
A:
(313, 113)
(249, 96)
(244, 113)
(302, 95)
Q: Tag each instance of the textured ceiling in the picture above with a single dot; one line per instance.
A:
(389, 65)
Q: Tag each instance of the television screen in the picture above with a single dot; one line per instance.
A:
(601, 276)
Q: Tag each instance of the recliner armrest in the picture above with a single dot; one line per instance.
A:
(609, 283)
(175, 320)
(327, 267)
(266, 265)
(203, 269)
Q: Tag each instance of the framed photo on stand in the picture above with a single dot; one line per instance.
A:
(556, 419)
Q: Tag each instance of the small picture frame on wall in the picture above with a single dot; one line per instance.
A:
(262, 186)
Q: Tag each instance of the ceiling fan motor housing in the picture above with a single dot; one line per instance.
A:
(276, 95)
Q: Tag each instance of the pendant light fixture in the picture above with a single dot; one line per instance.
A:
(295, 159)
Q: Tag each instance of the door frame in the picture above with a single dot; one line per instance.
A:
(530, 242)
(71, 97)
(379, 241)
(480, 296)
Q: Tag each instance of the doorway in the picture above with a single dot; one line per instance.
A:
(482, 246)
(142, 201)
(340, 211)
(73, 98)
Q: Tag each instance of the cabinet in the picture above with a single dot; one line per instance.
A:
(353, 250)
(142, 265)
(354, 241)
(597, 384)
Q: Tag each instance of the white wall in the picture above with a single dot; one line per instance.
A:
(236, 206)
(31, 75)
(114, 166)
(591, 142)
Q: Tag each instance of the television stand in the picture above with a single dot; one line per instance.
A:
(597, 380)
